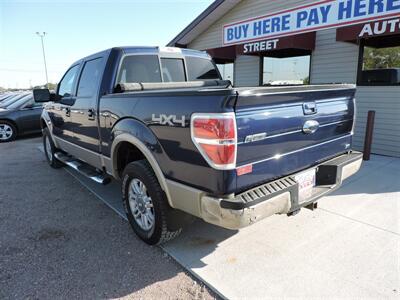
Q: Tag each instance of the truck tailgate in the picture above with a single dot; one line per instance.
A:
(272, 133)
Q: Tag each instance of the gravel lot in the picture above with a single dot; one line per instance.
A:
(58, 241)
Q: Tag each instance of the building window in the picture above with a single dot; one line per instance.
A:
(379, 65)
(226, 71)
(286, 70)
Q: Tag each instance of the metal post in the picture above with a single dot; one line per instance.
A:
(368, 134)
(42, 35)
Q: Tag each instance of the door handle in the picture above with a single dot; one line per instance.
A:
(68, 111)
(91, 114)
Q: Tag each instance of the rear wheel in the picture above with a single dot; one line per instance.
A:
(145, 204)
(8, 132)
(50, 149)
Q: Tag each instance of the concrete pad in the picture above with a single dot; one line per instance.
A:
(348, 248)
(372, 196)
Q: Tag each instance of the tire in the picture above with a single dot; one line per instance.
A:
(50, 149)
(160, 230)
(8, 131)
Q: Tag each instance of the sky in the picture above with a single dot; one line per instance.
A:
(76, 29)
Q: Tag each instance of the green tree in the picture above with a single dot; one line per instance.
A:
(51, 86)
(381, 58)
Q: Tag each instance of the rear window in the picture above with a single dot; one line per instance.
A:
(173, 70)
(139, 68)
(200, 69)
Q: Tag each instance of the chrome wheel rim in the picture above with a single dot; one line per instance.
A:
(141, 204)
(5, 132)
(48, 148)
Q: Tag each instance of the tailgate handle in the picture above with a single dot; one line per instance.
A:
(309, 108)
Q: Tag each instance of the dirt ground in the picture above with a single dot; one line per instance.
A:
(58, 241)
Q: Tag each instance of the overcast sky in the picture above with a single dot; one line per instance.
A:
(76, 29)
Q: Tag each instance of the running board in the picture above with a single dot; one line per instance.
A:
(83, 168)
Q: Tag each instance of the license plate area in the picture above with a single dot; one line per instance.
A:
(306, 181)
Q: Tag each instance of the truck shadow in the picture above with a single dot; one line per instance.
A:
(196, 241)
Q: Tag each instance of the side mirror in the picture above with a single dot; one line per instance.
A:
(43, 95)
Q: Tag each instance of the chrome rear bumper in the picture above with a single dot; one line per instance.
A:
(277, 197)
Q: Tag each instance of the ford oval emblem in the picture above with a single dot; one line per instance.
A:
(310, 126)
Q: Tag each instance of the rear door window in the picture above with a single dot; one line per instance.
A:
(139, 68)
(200, 69)
(89, 78)
(173, 70)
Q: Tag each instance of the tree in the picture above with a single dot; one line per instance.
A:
(381, 58)
(51, 86)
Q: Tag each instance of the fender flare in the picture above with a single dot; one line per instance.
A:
(128, 137)
(46, 119)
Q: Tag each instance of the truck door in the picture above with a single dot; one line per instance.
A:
(60, 111)
(84, 111)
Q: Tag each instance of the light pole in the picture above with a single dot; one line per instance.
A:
(42, 35)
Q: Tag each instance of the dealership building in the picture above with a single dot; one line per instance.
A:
(265, 42)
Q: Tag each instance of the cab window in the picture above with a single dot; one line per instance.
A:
(67, 83)
(200, 69)
(173, 70)
(139, 68)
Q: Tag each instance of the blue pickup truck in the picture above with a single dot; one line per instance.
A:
(185, 143)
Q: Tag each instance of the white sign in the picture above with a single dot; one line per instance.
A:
(311, 17)
(260, 46)
(377, 28)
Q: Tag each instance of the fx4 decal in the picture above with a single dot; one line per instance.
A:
(169, 120)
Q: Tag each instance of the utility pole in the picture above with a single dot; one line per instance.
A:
(42, 35)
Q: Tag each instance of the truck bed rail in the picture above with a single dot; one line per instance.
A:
(147, 86)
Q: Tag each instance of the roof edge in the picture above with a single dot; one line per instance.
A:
(195, 22)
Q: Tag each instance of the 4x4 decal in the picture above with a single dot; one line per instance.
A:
(169, 120)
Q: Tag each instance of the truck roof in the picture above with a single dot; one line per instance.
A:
(150, 50)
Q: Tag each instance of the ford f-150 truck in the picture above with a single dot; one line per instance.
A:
(185, 143)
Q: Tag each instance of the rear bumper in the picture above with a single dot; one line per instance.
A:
(277, 197)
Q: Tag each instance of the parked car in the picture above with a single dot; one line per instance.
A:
(231, 156)
(20, 117)
(12, 99)
(5, 96)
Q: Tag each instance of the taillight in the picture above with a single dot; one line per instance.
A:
(215, 137)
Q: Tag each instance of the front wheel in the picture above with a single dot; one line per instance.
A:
(50, 149)
(145, 204)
